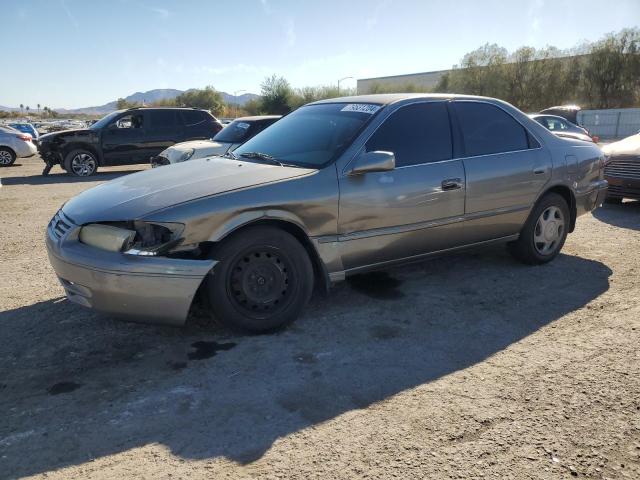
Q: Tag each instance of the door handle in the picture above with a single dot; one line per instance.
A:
(451, 184)
(539, 171)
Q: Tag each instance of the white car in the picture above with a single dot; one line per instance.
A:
(14, 144)
(227, 139)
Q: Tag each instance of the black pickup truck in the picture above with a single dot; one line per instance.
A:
(125, 137)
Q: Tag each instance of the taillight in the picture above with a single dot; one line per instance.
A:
(24, 136)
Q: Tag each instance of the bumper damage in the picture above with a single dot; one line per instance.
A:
(156, 290)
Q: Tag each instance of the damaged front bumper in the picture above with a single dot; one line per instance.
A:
(148, 289)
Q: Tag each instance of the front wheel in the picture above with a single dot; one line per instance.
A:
(81, 163)
(263, 281)
(7, 157)
(544, 233)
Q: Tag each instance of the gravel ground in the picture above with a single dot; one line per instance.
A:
(463, 367)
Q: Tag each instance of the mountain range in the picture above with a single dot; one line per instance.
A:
(143, 97)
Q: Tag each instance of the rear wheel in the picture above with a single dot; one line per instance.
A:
(263, 281)
(544, 233)
(81, 163)
(7, 157)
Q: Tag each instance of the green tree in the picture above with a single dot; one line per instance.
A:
(21, 108)
(208, 98)
(276, 95)
(123, 104)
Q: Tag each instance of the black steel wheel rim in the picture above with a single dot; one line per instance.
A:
(260, 281)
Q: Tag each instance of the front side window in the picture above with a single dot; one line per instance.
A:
(133, 120)
(487, 129)
(416, 134)
(312, 135)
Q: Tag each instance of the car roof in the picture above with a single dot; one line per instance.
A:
(256, 118)
(389, 98)
(557, 117)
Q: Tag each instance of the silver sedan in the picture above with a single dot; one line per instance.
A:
(336, 188)
(14, 144)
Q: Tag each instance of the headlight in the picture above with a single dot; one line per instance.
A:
(187, 155)
(133, 238)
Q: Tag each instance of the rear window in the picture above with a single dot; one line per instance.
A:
(487, 129)
(194, 117)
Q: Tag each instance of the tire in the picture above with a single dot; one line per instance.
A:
(263, 281)
(545, 231)
(80, 163)
(613, 200)
(7, 157)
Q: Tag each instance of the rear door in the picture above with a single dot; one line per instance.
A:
(163, 130)
(505, 167)
(414, 209)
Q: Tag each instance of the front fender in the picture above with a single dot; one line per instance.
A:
(246, 218)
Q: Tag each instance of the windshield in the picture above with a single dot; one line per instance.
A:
(106, 120)
(313, 135)
(236, 132)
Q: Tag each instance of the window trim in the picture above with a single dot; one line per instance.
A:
(496, 153)
(425, 101)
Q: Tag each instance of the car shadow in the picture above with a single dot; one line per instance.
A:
(77, 386)
(64, 178)
(624, 215)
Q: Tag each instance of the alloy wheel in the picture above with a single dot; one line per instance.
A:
(5, 157)
(83, 164)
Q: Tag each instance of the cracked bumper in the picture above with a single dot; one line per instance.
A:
(147, 289)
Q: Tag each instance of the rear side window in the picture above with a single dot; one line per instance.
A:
(193, 117)
(162, 118)
(418, 133)
(487, 129)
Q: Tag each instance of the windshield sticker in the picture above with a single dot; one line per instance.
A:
(361, 107)
(242, 125)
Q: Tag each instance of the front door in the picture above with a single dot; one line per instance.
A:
(123, 140)
(163, 130)
(414, 209)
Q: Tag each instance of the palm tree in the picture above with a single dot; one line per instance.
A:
(21, 107)
(38, 108)
(27, 108)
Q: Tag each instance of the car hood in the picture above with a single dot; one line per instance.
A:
(133, 196)
(627, 146)
(203, 148)
(66, 133)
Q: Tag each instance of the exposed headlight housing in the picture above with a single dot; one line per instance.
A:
(132, 238)
(187, 155)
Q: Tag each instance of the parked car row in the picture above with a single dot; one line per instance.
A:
(125, 137)
(335, 188)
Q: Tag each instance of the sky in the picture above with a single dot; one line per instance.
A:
(80, 53)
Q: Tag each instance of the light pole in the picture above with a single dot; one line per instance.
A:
(345, 78)
(235, 96)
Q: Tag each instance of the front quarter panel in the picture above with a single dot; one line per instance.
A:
(309, 202)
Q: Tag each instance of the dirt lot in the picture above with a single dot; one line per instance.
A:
(465, 367)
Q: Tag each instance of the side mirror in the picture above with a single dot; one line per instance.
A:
(377, 161)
